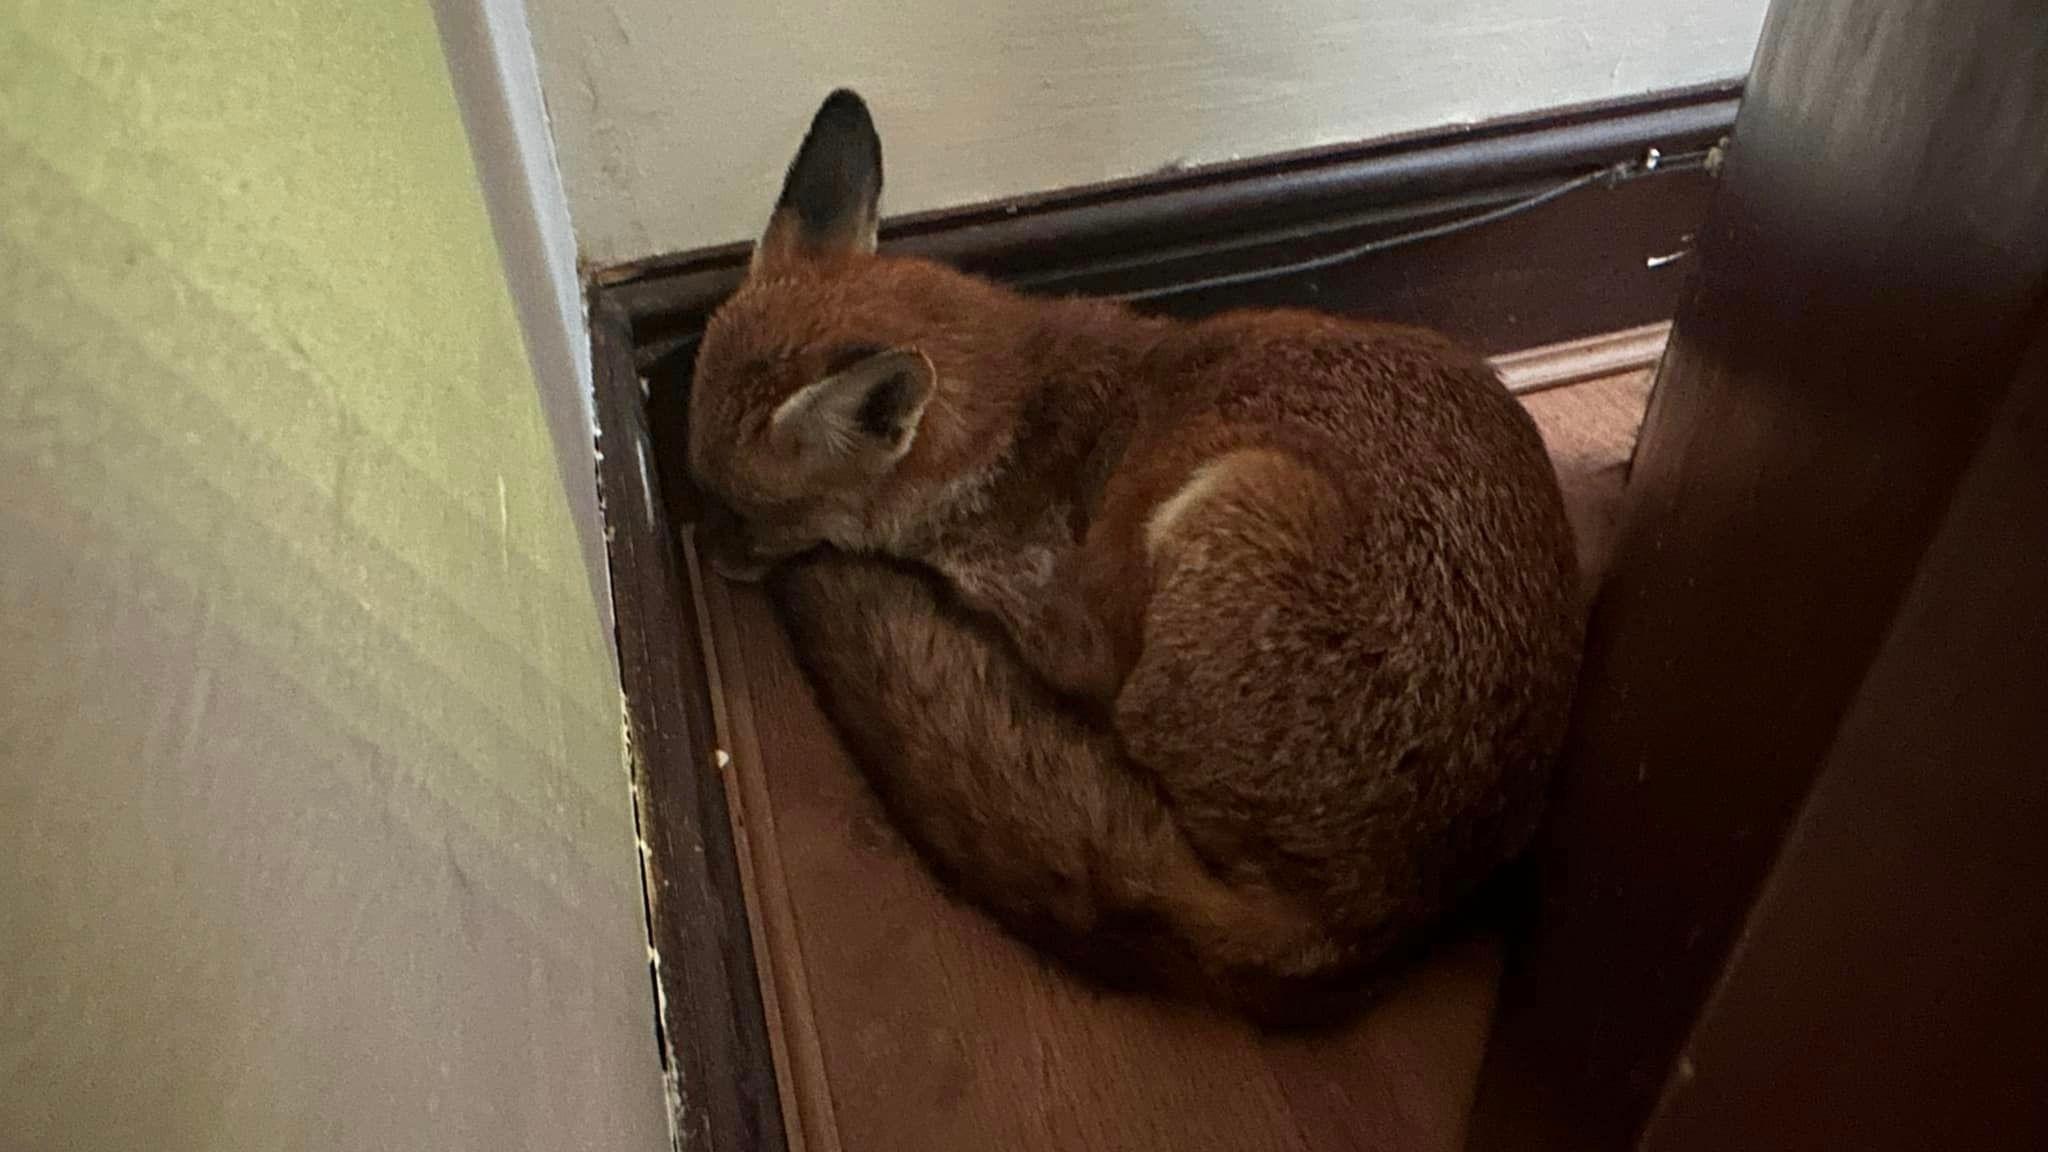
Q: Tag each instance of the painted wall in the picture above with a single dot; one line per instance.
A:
(673, 120)
(314, 825)
(497, 84)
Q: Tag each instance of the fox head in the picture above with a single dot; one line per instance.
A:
(810, 387)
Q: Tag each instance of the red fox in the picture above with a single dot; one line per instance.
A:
(1228, 654)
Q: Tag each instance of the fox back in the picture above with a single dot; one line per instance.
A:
(1311, 576)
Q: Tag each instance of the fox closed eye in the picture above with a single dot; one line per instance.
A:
(851, 355)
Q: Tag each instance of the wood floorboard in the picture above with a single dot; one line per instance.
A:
(910, 1023)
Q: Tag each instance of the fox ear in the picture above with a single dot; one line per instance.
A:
(868, 412)
(831, 196)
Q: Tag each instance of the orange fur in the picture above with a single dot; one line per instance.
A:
(1266, 625)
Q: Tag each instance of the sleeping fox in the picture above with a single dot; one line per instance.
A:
(1224, 654)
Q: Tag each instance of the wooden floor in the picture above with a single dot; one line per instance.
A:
(905, 1022)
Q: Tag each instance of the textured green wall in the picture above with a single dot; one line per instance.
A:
(314, 826)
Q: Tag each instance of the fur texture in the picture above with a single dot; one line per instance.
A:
(1236, 649)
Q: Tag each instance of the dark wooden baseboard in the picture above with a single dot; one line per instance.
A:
(715, 1048)
(1596, 261)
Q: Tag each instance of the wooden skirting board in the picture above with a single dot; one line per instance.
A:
(1577, 290)
(1589, 358)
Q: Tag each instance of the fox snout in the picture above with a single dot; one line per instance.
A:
(736, 562)
(736, 553)
(724, 542)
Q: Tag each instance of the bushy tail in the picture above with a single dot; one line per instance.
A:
(1029, 810)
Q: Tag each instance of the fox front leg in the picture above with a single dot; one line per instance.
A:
(1036, 594)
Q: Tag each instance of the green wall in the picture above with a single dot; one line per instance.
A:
(314, 822)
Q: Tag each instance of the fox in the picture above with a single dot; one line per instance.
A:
(1224, 657)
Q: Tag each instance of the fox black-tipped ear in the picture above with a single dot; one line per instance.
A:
(831, 197)
(868, 412)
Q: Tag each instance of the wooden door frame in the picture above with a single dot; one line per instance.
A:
(1869, 318)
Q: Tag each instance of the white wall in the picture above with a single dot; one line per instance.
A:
(673, 119)
(492, 68)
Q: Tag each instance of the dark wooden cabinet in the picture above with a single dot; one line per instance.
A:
(1792, 892)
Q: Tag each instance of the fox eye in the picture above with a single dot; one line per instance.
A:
(847, 357)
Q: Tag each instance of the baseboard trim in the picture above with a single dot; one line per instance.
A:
(719, 1059)
(1576, 361)
(1601, 260)
(810, 1122)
